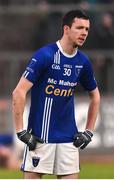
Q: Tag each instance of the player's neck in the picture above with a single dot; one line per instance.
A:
(67, 47)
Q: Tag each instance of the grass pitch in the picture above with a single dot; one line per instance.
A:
(88, 171)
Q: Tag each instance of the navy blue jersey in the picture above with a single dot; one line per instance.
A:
(55, 75)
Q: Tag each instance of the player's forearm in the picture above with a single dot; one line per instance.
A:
(18, 104)
(93, 110)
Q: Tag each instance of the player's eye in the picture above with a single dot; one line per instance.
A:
(87, 29)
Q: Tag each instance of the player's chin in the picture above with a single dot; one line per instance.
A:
(80, 44)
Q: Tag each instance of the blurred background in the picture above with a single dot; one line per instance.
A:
(25, 26)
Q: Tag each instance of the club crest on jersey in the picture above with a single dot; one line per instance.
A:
(35, 161)
(56, 64)
(78, 69)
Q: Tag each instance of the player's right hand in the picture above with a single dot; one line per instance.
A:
(29, 139)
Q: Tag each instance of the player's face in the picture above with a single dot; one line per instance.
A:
(78, 32)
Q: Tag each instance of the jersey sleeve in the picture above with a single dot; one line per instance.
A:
(35, 67)
(87, 79)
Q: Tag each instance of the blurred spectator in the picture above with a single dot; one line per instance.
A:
(8, 158)
(104, 32)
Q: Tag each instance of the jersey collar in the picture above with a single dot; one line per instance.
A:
(65, 54)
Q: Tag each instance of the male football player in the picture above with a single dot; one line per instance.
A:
(53, 73)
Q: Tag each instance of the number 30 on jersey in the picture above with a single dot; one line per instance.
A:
(67, 72)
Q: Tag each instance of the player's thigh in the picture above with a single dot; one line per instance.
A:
(69, 176)
(67, 160)
(40, 160)
(32, 175)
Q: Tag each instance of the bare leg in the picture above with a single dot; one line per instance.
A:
(69, 176)
(32, 175)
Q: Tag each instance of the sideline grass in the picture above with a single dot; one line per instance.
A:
(88, 171)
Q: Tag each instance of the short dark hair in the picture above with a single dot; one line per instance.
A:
(69, 17)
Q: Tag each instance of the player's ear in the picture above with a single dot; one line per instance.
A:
(66, 29)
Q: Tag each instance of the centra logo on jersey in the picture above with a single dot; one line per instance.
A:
(56, 66)
(51, 89)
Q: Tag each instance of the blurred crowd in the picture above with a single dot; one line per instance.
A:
(5, 2)
(31, 30)
(34, 27)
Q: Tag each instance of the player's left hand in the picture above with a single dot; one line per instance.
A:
(82, 139)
